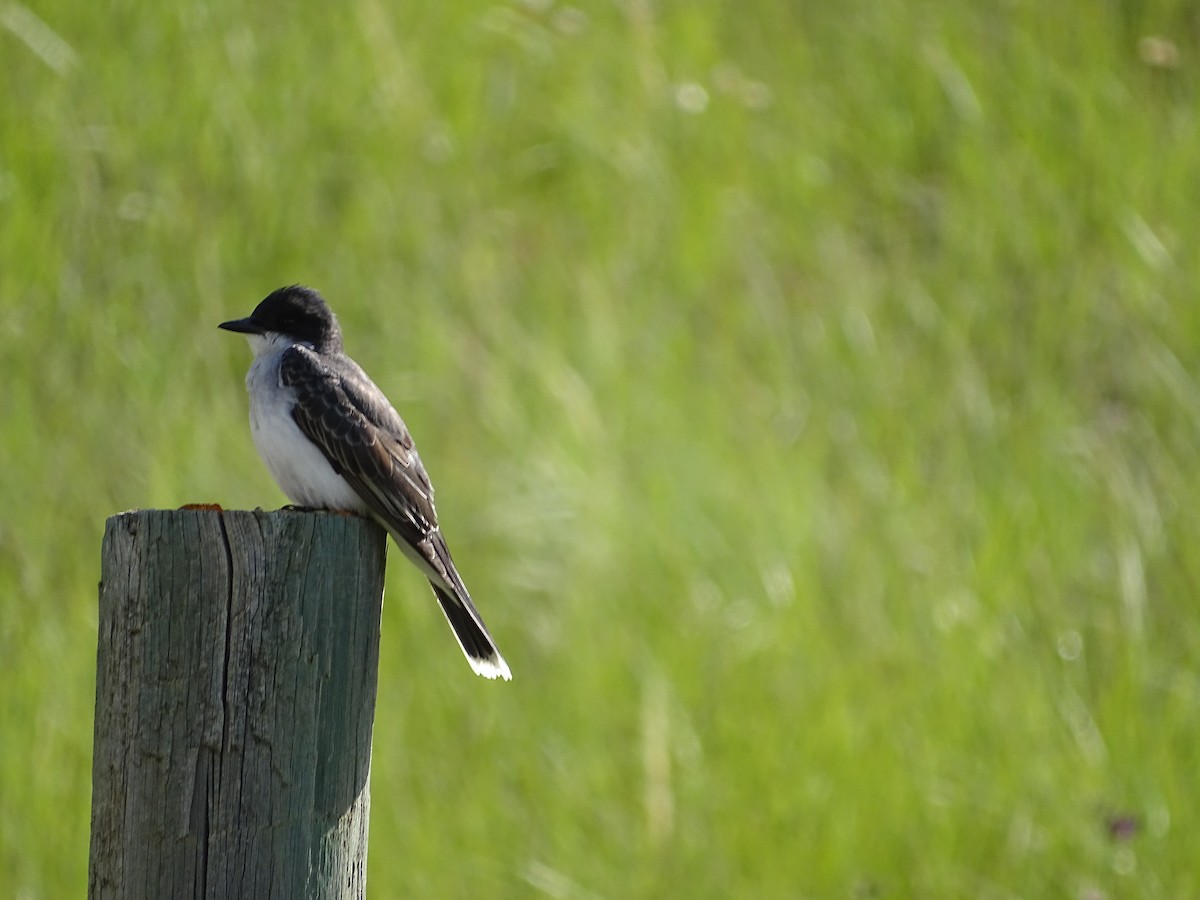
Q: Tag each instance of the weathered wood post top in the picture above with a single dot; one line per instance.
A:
(235, 694)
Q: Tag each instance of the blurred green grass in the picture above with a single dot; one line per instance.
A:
(812, 392)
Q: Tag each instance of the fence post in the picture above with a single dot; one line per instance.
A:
(235, 694)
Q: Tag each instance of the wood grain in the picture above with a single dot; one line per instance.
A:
(235, 694)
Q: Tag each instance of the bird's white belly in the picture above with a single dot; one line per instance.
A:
(296, 463)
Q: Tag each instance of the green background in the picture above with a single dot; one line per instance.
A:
(811, 388)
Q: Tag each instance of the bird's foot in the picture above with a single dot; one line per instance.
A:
(293, 507)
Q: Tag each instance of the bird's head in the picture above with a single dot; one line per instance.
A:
(297, 314)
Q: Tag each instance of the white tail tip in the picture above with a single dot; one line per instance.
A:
(493, 667)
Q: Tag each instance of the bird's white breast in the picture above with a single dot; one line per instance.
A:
(296, 463)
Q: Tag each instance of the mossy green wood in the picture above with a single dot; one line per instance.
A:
(235, 695)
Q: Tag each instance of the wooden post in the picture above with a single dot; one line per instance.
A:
(235, 695)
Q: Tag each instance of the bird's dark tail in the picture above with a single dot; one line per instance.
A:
(472, 636)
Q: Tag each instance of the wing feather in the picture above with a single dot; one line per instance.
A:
(364, 439)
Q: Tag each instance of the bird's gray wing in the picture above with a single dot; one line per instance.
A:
(342, 411)
(363, 437)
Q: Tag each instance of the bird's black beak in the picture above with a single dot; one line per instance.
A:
(242, 326)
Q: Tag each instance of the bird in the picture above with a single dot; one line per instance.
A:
(332, 440)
